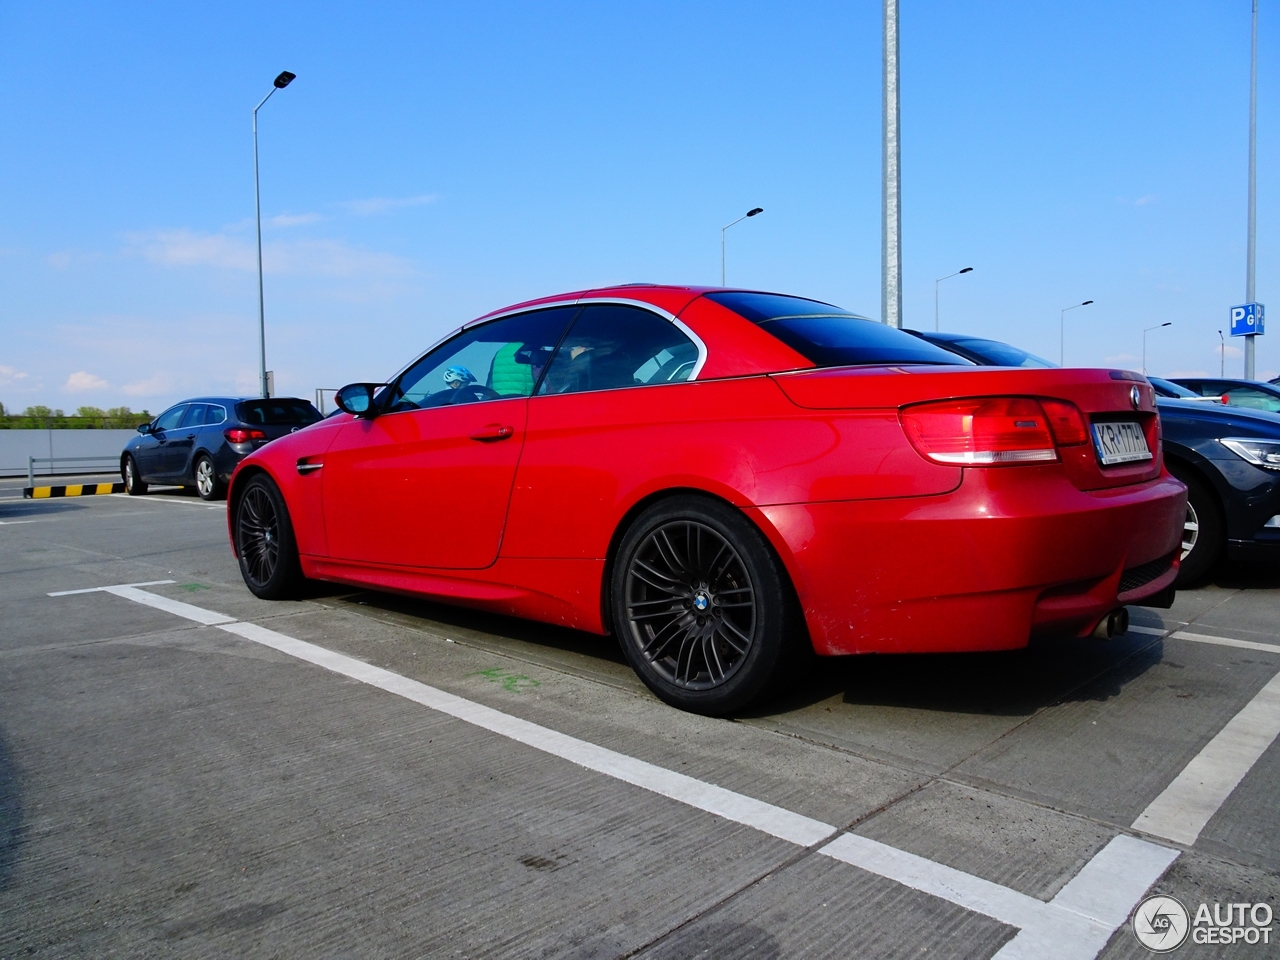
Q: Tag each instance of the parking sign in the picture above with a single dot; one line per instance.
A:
(1247, 318)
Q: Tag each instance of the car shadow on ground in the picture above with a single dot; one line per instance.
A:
(1243, 576)
(1012, 683)
(437, 615)
(1006, 683)
(22, 509)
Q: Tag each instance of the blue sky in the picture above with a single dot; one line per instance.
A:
(436, 161)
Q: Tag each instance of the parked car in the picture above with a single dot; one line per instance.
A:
(1237, 393)
(983, 351)
(199, 442)
(1229, 459)
(721, 478)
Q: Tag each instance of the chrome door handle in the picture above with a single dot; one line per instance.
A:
(493, 431)
(304, 468)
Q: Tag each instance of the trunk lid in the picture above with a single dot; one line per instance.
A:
(1102, 396)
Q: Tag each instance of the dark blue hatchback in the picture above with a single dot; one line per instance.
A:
(199, 442)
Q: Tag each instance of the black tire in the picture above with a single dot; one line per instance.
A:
(207, 483)
(1204, 533)
(264, 541)
(703, 608)
(134, 485)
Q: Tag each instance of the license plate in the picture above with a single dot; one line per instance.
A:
(1120, 442)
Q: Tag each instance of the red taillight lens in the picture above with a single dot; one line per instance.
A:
(241, 435)
(1066, 422)
(986, 431)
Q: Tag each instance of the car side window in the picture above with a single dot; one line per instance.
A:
(170, 419)
(490, 361)
(215, 414)
(195, 416)
(613, 345)
(1251, 398)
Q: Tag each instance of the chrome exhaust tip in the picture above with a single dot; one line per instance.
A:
(1114, 624)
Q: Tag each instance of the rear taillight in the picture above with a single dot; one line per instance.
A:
(1065, 422)
(241, 435)
(985, 431)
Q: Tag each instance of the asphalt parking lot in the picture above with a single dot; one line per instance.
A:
(188, 771)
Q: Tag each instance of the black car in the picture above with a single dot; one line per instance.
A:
(199, 442)
(987, 353)
(1237, 393)
(1228, 457)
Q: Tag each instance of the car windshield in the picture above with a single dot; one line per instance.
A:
(830, 336)
(1167, 388)
(277, 411)
(1000, 354)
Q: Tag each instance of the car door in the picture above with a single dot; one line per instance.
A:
(426, 482)
(617, 383)
(181, 442)
(152, 452)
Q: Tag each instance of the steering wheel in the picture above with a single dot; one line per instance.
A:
(472, 393)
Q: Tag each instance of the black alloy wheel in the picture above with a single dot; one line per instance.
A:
(702, 607)
(1203, 531)
(207, 483)
(264, 541)
(133, 483)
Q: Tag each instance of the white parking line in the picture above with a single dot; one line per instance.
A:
(1075, 925)
(181, 503)
(1206, 638)
(1189, 803)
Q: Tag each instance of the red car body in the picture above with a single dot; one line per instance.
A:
(517, 505)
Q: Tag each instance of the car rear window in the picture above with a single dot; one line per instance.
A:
(1001, 354)
(830, 336)
(277, 412)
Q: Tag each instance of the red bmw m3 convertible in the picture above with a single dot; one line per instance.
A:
(723, 478)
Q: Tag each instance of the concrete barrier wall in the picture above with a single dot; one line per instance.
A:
(17, 445)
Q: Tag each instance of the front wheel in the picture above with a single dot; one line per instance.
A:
(133, 483)
(207, 483)
(702, 607)
(264, 541)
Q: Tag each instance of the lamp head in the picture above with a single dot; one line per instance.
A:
(284, 79)
(967, 270)
(1086, 303)
(1169, 324)
(753, 212)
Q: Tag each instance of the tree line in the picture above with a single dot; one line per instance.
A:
(85, 418)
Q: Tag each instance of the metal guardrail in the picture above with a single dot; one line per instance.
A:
(111, 464)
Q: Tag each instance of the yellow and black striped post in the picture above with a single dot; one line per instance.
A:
(71, 490)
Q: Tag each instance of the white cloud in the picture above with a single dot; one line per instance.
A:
(1143, 201)
(82, 380)
(294, 219)
(11, 376)
(1190, 374)
(158, 385)
(1231, 351)
(375, 205)
(187, 248)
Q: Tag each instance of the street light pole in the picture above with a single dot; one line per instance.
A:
(1062, 337)
(279, 83)
(1144, 343)
(1222, 359)
(750, 213)
(935, 293)
(1250, 256)
(891, 182)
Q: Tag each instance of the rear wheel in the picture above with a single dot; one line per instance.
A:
(1203, 532)
(133, 482)
(264, 541)
(702, 606)
(207, 483)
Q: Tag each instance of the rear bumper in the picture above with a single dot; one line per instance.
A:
(1009, 554)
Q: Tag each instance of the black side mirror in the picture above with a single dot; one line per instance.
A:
(144, 428)
(357, 399)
